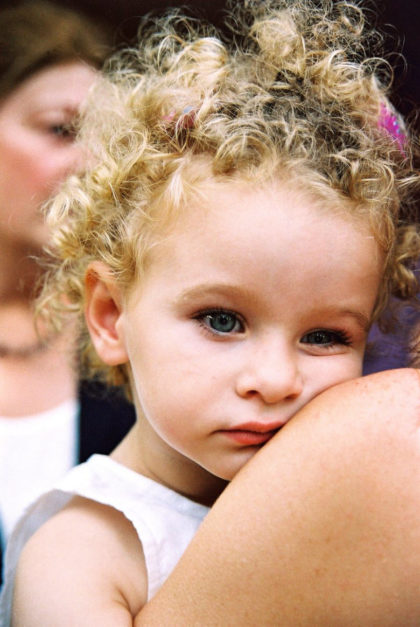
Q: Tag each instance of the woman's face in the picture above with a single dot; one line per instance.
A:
(37, 148)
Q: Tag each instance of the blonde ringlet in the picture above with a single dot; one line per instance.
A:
(290, 93)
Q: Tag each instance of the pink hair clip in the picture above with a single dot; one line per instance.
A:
(186, 119)
(389, 122)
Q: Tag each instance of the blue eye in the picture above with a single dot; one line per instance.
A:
(220, 321)
(324, 337)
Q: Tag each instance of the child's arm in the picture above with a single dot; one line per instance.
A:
(83, 567)
(322, 527)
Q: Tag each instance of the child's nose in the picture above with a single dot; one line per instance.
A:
(271, 372)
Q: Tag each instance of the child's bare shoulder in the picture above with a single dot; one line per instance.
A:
(89, 552)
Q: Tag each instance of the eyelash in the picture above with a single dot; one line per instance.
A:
(337, 337)
(205, 316)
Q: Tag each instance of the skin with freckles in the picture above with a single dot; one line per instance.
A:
(229, 333)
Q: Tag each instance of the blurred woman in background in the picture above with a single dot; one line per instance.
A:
(49, 57)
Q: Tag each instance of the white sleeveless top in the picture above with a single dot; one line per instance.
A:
(35, 452)
(164, 520)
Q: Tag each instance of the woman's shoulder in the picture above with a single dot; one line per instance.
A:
(394, 392)
(370, 414)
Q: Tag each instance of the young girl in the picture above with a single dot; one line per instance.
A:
(238, 231)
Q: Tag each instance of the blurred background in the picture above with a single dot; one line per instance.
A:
(399, 18)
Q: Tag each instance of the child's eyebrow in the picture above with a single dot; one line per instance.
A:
(215, 289)
(361, 319)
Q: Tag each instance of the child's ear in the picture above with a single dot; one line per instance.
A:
(103, 314)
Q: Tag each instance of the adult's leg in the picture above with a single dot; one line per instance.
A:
(321, 527)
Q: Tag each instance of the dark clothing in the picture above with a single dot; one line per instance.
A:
(394, 349)
(105, 417)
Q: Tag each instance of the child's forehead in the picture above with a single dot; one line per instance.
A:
(207, 194)
(238, 217)
(230, 220)
(263, 244)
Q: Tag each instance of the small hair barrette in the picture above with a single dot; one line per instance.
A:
(389, 122)
(185, 119)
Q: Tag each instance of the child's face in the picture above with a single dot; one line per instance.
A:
(256, 303)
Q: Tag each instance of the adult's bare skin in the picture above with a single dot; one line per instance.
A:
(322, 527)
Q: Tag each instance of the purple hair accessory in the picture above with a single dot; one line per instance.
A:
(389, 122)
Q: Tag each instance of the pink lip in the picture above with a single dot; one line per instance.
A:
(252, 433)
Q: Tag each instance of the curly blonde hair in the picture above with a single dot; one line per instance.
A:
(291, 89)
